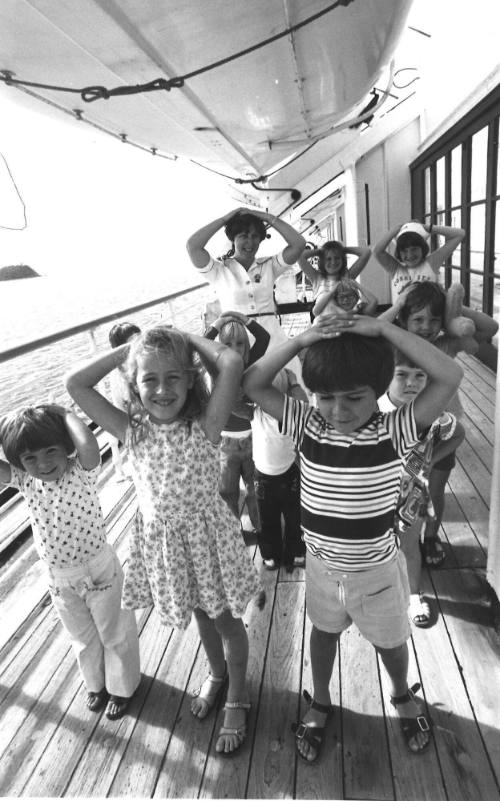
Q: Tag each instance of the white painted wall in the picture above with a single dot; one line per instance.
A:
(385, 170)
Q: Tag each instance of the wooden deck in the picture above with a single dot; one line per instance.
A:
(51, 745)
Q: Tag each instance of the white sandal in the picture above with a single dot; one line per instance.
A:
(420, 611)
(240, 733)
(209, 694)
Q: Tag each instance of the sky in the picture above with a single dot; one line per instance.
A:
(94, 205)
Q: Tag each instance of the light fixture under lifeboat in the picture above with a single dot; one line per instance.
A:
(236, 86)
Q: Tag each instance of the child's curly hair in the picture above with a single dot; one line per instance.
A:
(175, 345)
(31, 429)
(338, 247)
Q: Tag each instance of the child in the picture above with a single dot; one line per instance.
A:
(84, 573)
(278, 484)
(119, 334)
(236, 444)
(332, 268)
(421, 309)
(413, 261)
(351, 460)
(414, 505)
(185, 555)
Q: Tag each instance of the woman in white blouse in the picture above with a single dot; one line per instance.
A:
(241, 281)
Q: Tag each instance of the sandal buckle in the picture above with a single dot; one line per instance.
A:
(300, 731)
(422, 723)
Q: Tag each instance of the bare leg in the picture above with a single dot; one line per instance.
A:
(235, 638)
(396, 663)
(323, 649)
(212, 643)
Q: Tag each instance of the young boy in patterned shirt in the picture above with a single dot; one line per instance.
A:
(351, 461)
(84, 574)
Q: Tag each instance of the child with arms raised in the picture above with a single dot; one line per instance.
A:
(351, 461)
(84, 574)
(413, 260)
(414, 504)
(425, 309)
(186, 555)
(333, 275)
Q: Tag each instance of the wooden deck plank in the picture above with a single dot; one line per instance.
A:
(51, 745)
(367, 771)
(477, 652)
(273, 748)
(324, 779)
(227, 778)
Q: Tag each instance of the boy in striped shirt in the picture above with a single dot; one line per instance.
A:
(351, 460)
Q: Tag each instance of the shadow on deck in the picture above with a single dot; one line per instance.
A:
(51, 745)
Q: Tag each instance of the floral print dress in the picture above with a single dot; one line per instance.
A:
(186, 550)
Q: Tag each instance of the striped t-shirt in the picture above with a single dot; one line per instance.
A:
(349, 483)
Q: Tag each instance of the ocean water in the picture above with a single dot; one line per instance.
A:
(31, 308)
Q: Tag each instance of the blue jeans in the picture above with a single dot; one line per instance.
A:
(236, 462)
(276, 496)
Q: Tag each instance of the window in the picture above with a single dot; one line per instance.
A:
(457, 182)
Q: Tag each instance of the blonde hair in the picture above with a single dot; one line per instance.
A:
(175, 345)
(231, 331)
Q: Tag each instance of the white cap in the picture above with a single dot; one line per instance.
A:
(413, 228)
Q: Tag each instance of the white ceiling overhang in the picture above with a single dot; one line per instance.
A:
(243, 118)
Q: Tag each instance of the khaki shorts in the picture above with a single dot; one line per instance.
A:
(375, 600)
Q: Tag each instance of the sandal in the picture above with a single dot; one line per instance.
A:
(420, 611)
(240, 733)
(209, 693)
(313, 735)
(117, 706)
(412, 726)
(96, 701)
(433, 552)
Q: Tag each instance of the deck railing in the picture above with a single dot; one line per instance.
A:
(39, 377)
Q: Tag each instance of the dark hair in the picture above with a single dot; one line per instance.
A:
(31, 429)
(176, 345)
(120, 333)
(348, 362)
(420, 295)
(332, 244)
(240, 224)
(401, 358)
(411, 239)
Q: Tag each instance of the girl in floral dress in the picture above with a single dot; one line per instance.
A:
(186, 555)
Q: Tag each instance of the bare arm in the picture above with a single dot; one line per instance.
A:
(453, 237)
(257, 381)
(359, 265)
(384, 258)
(306, 267)
(86, 445)
(197, 241)
(369, 300)
(81, 383)
(443, 374)
(227, 367)
(446, 446)
(295, 241)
